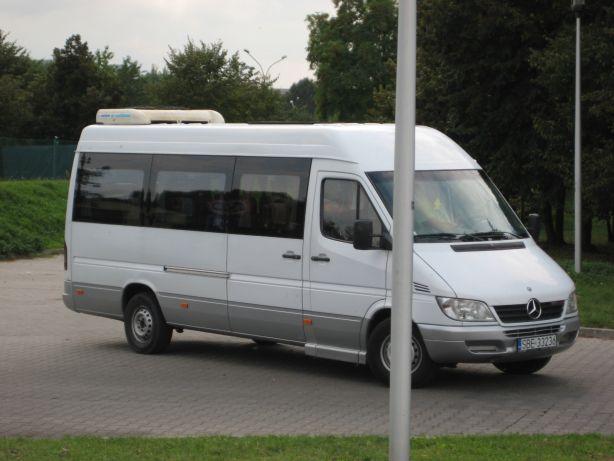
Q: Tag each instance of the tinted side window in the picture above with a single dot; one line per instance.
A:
(343, 202)
(110, 188)
(187, 192)
(268, 197)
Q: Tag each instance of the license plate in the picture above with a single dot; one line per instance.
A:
(537, 342)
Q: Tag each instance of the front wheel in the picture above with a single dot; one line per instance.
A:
(379, 346)
(146, 330)
(526, 367)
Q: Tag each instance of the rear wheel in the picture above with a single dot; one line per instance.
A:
(525, 367)
(423, 369)
(146, 330)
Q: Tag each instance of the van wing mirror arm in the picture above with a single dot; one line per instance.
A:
(385, 240)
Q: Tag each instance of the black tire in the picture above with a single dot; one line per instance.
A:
(525, 367)
(264, 342)
(423, 371)
(149, 333)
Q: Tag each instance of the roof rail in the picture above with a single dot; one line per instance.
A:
(147, 117)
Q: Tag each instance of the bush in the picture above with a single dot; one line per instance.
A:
(31, 216)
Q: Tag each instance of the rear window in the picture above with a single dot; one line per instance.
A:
(110, 188)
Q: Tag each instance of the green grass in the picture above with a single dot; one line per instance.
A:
(31, 216)
(595, 289)
(602, 250)
(501, 448)
(595, 284)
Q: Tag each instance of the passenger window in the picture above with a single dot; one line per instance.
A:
(268, 197)
(110, 188)
(344, 202)
(187, 192)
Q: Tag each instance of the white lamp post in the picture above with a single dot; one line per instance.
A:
(265, 75)
(577, 6)
(403, 233)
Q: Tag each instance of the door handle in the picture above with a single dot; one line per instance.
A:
(291, 255)
(321, 258)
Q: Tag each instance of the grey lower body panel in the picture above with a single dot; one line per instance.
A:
(201, 312)
(266, 321)
(236, 334)
(67, 295)
(97, 299)
(333, 331)
(479, 344)
(336, 353)
(330, 336)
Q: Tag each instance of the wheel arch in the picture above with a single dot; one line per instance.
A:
(376, 313)
(134, 287)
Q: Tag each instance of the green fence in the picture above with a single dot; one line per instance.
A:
(36, 158)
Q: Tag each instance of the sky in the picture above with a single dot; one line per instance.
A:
(144, 29)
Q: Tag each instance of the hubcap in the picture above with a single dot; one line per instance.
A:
(416, 353)
(142, 324)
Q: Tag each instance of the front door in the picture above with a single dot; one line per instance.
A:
(266, 215)
(343, 282)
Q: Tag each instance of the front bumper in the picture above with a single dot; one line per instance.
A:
(494, 343)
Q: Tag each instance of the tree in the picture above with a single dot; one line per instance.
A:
(14, 59)
(72, 93)
(77, 83)
(497, 77)
(120, 85)
(16, 74)
(553, 118)
(478, 87)
(107, 79)
(301, 100)
(132, 83)
(207, 76)
(349, 53)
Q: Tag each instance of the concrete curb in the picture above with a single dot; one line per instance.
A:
(601, 333)
(42, 254)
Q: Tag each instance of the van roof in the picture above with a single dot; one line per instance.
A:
(369, 145)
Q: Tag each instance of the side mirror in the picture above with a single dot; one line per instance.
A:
(363, 234)
(534, 226)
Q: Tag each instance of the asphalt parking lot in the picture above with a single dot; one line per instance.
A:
(63, 373)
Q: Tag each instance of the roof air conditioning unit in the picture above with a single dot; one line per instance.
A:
(147, 117)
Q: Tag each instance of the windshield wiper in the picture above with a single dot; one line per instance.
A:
(445, 236)
(495, 234)
(469, 237)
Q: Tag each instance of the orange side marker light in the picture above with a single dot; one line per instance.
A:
(184, 305)
(79, 292)
(307, 321)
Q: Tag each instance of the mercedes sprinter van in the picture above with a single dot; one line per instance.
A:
(283, 234)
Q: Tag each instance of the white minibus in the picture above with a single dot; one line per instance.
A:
(283, 234)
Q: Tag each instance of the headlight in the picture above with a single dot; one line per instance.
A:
(572, 304)
(466, 310)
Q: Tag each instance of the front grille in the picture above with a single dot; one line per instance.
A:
(518, 312)
(528, 332)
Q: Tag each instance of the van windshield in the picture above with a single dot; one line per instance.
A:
(455, 205)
